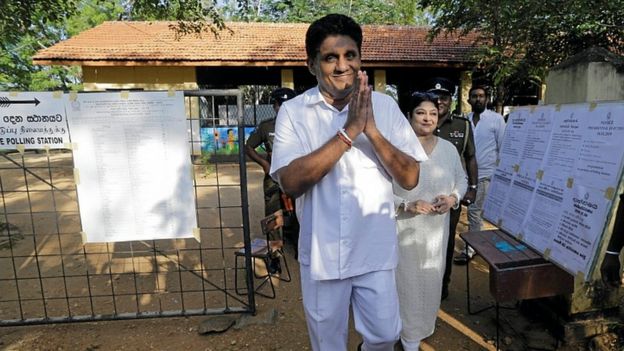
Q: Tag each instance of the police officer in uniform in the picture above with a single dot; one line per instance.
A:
(274, 198)
(457, 130)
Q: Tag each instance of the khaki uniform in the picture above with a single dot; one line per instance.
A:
(264, 135)
(458, 131)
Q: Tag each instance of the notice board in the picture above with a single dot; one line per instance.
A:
(558, 175)
(132, 164)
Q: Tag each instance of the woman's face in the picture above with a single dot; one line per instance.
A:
(425, 118)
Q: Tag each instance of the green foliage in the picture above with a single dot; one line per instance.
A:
(41, 29)
(18, 73)
(19, 17)
(30, 25)
(208, 166)
(192, 16)
(256, 94)
(90, 13)
(523, 38)
(400, 12)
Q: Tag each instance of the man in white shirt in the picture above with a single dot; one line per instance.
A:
(337, 148)
(488, 127)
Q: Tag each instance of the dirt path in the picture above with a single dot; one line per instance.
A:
(456, 330)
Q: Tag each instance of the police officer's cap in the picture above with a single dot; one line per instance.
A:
(441, 85)
(282, 94)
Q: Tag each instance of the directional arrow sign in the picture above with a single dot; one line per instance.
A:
(5, 102)
(32, 120)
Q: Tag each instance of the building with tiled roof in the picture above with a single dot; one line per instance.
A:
(149, 55)
(244, 44)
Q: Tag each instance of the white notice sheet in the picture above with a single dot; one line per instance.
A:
(574, 193)
(538, 128)
(497, 193)
(556, 178)
(601, 152)
(509, 157)
(133, 161)
(582, 220)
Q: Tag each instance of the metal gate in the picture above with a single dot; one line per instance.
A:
(47, 274)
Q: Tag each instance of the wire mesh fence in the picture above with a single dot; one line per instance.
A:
(48, 275)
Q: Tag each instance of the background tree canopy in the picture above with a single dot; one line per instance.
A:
(30, 25)
(525, 37)
(400, 12)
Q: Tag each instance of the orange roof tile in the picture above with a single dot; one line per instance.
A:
(154, 43)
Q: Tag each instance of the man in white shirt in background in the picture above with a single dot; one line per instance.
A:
(489, 128)
(337, 148)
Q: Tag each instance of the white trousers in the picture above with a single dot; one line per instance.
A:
(375, 310)
(410, 345)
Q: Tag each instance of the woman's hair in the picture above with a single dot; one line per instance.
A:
(419, 97)
(333, 24)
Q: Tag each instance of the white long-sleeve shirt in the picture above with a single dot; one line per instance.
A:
(488, 138)
(347, 225)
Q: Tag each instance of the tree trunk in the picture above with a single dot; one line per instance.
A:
(499, 98)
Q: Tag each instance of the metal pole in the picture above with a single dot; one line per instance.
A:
(245, 203)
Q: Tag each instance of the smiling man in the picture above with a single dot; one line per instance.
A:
(337, 149)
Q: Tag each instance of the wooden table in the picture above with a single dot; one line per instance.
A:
(517, 272)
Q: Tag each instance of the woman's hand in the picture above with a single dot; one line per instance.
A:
(419, 207)
(443, 203)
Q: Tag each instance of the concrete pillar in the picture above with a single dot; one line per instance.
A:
(586, 81)
(288, 79)
(465, 83)
(591, 76)
(380, 80)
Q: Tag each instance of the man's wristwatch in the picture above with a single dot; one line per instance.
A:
(473, 187)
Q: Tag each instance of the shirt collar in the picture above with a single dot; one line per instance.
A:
(485, 112)
(314, 97)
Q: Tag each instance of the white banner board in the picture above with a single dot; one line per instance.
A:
(556, 179)
(33, 120)
(131, 155)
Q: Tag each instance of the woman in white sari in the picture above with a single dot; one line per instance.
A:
(423, 222)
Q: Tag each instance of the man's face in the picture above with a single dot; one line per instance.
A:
(444, 103)
(477, 100)
(336, 66)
